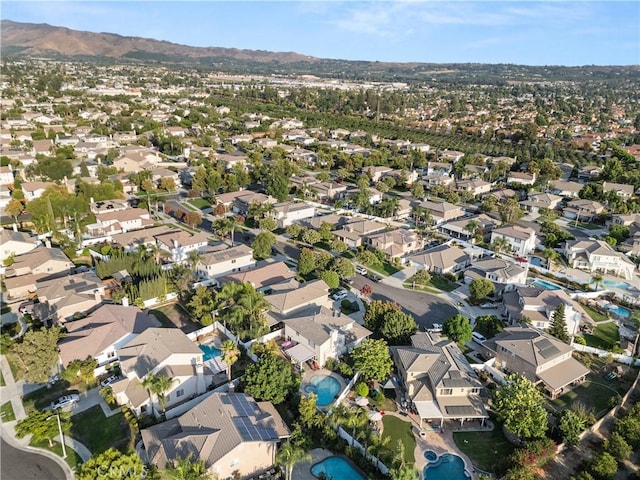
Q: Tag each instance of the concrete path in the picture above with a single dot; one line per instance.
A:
(90, 399)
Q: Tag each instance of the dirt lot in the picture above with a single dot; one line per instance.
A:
(173, 315)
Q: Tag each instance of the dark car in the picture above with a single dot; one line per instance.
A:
(373, 277)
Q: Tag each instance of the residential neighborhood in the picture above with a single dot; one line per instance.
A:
(195, 280)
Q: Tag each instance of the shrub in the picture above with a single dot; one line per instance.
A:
(346, 305)
(362, 390)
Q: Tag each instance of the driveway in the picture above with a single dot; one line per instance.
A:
(426, 308)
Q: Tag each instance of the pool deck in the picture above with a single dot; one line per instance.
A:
(302, 470)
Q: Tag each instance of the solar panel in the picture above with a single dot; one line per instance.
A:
(546, 348)
(250, 431)
(462, 410)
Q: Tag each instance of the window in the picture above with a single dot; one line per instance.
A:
(475, 391)
(179, 393)
(233, 261)
(111, 354)
(446, 391)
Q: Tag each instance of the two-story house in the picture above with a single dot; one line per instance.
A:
(506, 275)
(442, 259)
(288, 213)
(219, 262)
(582, 210)
(395, 243)
(439, 381)
(179, 243)
(598, 256)
(290, 297)
(354, 232)
(541, 358)
(120, 221)
(13, 242)
(41, 260)
(442, 211)
(522, 240)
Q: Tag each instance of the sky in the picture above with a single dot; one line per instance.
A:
(445, 31)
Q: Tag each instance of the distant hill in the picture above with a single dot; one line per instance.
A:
(44, 40)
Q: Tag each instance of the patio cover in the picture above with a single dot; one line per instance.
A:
(563, 374)
(427, 409)
(300, 353)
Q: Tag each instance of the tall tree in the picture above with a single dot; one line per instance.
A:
(521, 406)
(558, 327)
(481, 288)
(458, 328)
(43, 425)
(263, 244)
(288, 455)
(271, 379)
(202, 305)
(230, 355)
(372, 359)
(158, 385)
(306, 262)
(551, 256)
(112, 465)
(38, 353)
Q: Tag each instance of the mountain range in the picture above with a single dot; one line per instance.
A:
(43, 40)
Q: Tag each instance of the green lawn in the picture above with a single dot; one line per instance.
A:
(73, 459)
(6, 412)
(604, 336)
(199, 203)
(421, 288)
(589, 226)
(398, 429)
(385, 269)
(99, 433)
(42, 398)
(485, 449)
(595, 394)
(2, 382)
(595, 315)
(174, 315)
(443, 283)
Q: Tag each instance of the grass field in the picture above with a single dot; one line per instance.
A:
(73, 459)
(173, 315)
(199, 203)
(6, 412)
(398, 429)
(594, 394)
(99, 433)
(595, 315)
(604, 336)
(485, 449)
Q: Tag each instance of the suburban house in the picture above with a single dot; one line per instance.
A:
(538, 306)
(235, 436)
(598, 256)
(395, 243)
(261, 277)
(540, 357)
(219, 262)
(120, 221)
(442, 211)
(501, 272)
(291, 297)
(288, 213)
(100, 334)
(15, 243)
(63, 297)
(179, 243)
(6, 176)
(566, 189)
(582, 210)
(160, 351)
(327, 190)
(376, 173)
(474, 186)
(441, 259)
(537, 201)
(522, 240)
(439, 381)
(461, 228)
(131, 241)
(108, 206)
(41, 260)
(621, 189)
(353, 233)
(322, 335)
(521, 178)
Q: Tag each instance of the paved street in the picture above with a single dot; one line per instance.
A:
(20, 465)
(426, 308)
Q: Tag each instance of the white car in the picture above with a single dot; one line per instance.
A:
(435, 328)
(339, 295)
(108, 381)
(64, 401)
(361, 270)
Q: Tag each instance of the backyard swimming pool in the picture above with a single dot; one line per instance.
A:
(544, 284)
(447, 466)
(614, 284)
(337, 468)
(617, 310)
(209, 351)
(325, 387)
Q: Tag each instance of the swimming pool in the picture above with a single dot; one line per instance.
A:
(447, 466)
(614, 284)
(210, 352)
(617, 310)
(325, 387)
(337, 468)
(537, 261)
(544, 284)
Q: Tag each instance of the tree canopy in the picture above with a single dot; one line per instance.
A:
(458, 328)
(38, 353)
(270, 379)
(372, 359)
(521, 406)
(112, 465)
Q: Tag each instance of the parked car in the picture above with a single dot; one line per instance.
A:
(108, 381)
(26, 307)
(64, 401)
(361, 270)
(435, 328)
(373, 277)
(339, 295)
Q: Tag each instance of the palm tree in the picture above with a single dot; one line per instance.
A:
(248, 312)
(157, 253)
(187, 469)
(230, 355)
(158, 385)
(500, 244)
(472, 226)
(551, 256)
(597, 280)
(289, 455)
(193, 258)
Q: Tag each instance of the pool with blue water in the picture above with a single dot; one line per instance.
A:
(210, 352)
(337, 468)
(446, 466)
(544, 284)
(614, 284)
(325, 387)
(618, 310)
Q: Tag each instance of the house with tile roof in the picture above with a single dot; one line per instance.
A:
(442, 259)
(261, 277)
(49, 261)
(522, 240)
(622, 190)
(13, 242)
(288, 213)
(538, 356)
(231, 433)
(505, 274)
(222, 261)
(178, 243)
(598, 256)
(439, 381)
(292, 296)
(162, 351)
(582, 210)
(322, 335)
(395, 243)
(119, 221)
(100, 334)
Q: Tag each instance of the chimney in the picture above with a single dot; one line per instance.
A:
(125, 301)
(15, 227)
(97, 295)
(47, 243)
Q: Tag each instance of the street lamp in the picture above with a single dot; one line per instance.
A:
(64, 450)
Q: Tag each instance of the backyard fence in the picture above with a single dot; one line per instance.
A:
(618, 357)
(347, 389)
(358, 446)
